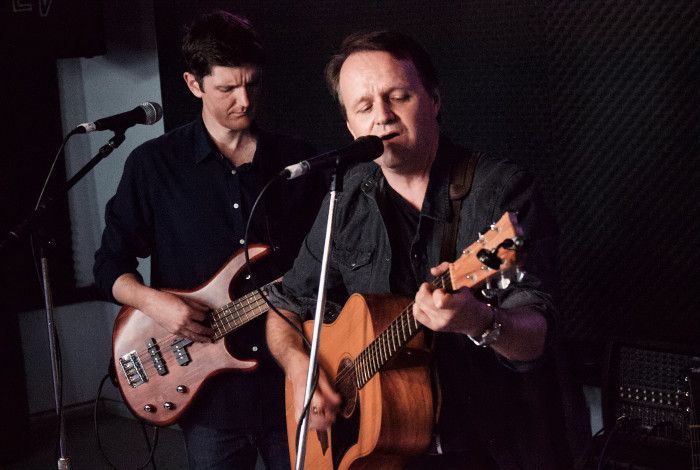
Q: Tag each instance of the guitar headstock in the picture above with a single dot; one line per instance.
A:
(495, 252)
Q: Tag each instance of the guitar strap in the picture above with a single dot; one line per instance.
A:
(460, 184)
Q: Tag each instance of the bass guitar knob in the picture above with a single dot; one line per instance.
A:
(149, 408)
(181, 389)
(168, 405)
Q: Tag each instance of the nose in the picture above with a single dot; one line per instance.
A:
(384, 114)
(242, 97)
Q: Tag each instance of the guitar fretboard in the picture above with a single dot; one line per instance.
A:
(233, 315)
(390, 341)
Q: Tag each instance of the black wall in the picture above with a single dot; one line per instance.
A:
(598, 99)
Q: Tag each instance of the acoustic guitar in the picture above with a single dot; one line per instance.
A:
(375, 355)
(159, 373)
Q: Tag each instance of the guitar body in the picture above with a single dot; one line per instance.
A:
(390, 420)
(161, 398)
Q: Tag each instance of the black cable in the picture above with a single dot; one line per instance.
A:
(616, 426)
(314, 382)
(250, 270)
(95, 417)
(583, 459)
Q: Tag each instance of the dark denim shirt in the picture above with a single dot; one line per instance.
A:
(185, 205)
(481, 392)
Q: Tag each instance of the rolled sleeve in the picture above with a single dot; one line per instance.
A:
(126, 234)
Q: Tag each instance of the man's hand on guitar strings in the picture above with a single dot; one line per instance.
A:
(456, 312)
(324, 402)
(180, 316)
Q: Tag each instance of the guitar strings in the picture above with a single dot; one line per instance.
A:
(367, 355)
(232, 311)
(145, 357)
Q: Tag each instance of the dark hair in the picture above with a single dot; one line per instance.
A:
(220, 38)
(398, 44)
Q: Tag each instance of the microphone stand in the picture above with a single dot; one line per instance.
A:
(28, 225)
(336, 185)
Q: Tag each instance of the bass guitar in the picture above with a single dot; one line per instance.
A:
(159, 373)
(375, 355)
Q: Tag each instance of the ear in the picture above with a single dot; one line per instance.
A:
(347, 124)
(192, 84)
(437, 103)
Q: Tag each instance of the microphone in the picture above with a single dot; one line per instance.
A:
(362, 149)
(146, 113)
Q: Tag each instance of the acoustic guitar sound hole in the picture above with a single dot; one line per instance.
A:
(346, 384)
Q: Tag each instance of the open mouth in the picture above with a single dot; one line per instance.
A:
(390, 136)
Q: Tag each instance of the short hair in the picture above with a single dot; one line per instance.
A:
(220, 38)
(396, 43)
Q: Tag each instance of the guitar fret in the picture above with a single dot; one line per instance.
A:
(362, 369)
(377, 360)
(368, 371)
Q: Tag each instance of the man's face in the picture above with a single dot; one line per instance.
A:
(229, 96)
(383, 96)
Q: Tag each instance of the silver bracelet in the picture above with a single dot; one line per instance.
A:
(491, 334)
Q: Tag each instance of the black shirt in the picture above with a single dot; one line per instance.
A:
(185, 205)
(507, 409)
(401, 221)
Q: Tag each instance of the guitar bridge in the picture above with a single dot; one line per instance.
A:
(133, 369)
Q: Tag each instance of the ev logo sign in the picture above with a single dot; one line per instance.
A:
(28, 6)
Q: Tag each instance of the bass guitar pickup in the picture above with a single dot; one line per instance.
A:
(156, 357)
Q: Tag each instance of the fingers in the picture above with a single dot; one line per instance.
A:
(329, 394)
(440, 268)
(322, 411)
(183, 317)
(440, 310)
(196, 305)
(324, 402)
(197, 332)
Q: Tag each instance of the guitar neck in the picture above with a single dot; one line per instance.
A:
(233, 315)
(392, 340)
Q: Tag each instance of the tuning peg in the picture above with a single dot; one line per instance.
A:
(489, 258)
(488, 291)
(519, 243)
(503, 281)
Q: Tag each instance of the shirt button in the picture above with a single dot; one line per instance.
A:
(254, 348)
(233, 172)
(241, 241)
(235, 205)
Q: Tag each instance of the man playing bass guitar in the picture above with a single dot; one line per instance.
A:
(184, 200)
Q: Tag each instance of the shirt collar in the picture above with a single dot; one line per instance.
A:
(203, 146)
(437, 198)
